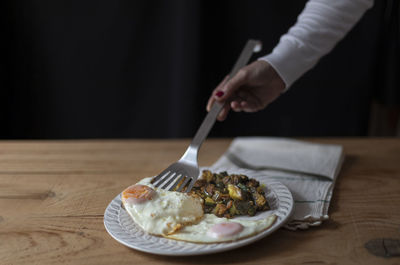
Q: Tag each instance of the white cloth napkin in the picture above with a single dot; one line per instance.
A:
(309, 170)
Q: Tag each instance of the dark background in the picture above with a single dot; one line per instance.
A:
(145, 69)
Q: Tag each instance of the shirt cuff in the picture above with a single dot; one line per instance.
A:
(290, 60)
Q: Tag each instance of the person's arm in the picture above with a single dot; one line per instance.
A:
(319, 27)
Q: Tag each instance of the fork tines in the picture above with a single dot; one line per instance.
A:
(173, 181)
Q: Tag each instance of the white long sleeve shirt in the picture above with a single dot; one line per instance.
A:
(321, 25)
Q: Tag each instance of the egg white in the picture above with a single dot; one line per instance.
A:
(198, 232)
(166, 212)
(178, 216)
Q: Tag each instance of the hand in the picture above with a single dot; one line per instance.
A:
(251, 89)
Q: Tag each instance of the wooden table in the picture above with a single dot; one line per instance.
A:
(53, 195)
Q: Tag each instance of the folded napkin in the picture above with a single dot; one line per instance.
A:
(309, 171)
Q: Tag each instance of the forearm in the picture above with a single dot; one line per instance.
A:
(319, 27)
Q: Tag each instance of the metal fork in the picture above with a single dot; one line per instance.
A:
(182, 175)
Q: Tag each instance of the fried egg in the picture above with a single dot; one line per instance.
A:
(158, 211)
(180, 216)
(213, 229)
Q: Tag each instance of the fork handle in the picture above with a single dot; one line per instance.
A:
(208, 122)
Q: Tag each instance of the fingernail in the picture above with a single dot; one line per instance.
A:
(219, 94)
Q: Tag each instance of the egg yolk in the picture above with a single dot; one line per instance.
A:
(225, 229)
(138, 194)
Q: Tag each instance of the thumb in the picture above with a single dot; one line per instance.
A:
(232, 85)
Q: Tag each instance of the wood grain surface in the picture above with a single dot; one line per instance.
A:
(53, 195)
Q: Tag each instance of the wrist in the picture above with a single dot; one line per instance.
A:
(275, 78)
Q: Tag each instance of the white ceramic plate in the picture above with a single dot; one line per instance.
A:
(121, 227)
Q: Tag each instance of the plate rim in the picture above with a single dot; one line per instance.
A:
(220, 247)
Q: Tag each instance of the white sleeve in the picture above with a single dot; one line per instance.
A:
(319, 27)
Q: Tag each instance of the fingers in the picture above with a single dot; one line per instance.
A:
(244, 106)
(224, 112)
(235, 105)
(253, 88)
(211, 100)
(226, 92)
(246, 101)
(229, 89)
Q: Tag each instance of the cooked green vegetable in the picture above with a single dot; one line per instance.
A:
(207, 175)
(242, 187)
(209, 201)
(233, 211)
(234, 192)
(220, 210)
(230, 195)
(252, 211)
(260, 200)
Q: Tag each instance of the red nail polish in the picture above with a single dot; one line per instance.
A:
(219, 94)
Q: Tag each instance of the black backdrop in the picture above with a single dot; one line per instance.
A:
(120, 69)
